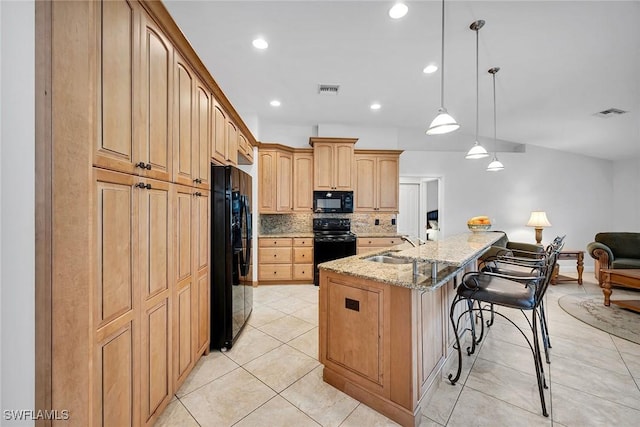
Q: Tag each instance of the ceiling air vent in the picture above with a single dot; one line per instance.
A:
(328, 89)
(610, 113)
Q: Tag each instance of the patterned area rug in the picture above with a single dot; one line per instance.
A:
(591, 310)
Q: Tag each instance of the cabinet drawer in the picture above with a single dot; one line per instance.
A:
(274, 272)
(366, 249)
(303, 272)
(264, 242)
(379, 241)
(302, 255)
(303, 241)
(274, 255)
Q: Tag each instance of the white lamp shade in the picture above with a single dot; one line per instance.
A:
(495, 166)
(443, 123)
(476, 152)
(538, 219)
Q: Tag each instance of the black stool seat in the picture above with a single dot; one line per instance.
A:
(498, 290)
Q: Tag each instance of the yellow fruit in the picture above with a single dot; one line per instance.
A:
(479, 220)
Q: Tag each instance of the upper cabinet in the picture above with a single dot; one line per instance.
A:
(303, 180)
(202, 136)
(245, 150)
(184, 105)
(285, 177)
(377, 180)
(333, 163)
(225, 145)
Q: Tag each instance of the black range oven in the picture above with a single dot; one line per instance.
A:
(332, 239)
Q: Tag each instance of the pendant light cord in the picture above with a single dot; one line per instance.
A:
(442, 61)
(495, 141)
(477, 84)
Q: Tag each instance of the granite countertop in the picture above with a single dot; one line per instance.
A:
(285, 235)
(378, 234)
(449, 255)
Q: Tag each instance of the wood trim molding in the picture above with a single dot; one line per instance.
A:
(398, 152)
(278, 146)
(314, 139)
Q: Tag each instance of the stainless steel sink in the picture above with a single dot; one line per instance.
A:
(385, 259)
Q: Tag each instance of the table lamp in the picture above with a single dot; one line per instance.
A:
(538, 220)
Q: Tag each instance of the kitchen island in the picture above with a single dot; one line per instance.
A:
(384, 329)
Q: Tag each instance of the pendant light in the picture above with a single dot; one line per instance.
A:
(495, 165)
(443, 123)
(477, 151)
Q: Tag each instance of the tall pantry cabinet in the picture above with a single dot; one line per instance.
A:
(125, 124)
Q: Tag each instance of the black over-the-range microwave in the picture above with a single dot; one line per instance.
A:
(333, 201)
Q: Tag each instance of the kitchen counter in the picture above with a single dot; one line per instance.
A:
(384, 336)
(448, 255)
(286, 235)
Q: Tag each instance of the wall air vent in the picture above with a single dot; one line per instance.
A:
(610, 112)
(328, 89)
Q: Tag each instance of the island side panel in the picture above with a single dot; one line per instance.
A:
(392, 393)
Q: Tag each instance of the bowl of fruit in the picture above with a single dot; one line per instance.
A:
(479, 223)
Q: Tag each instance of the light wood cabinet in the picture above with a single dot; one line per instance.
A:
(184, 82)
(232, 143)
(377, 180)
(275, 172)
(245, 150)
(333, 163)
(219, 141)
(202, 136)
(155, 155)
(285, 259)
(127, 122)
(303, 181)
(370, 244)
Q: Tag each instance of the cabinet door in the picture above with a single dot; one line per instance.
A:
(303, 182)
(202, 137)
(284, 185)
(323, 167)
(431, 333)
(155, 258)
(114, 303)
(184, 285)
(200, 310)
(365, 185)
(183, 122)
(154, 148)
(219, 141)
(388, 184)
(232, 143)
(267, 181)
(343, 167)
(117, 46)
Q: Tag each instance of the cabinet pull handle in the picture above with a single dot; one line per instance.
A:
(197, 194)
(197, 181)
(143, 165)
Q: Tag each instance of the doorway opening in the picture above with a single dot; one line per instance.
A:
(421, 207)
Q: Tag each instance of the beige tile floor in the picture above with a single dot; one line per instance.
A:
(271, 377)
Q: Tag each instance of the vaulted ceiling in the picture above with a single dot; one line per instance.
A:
(561, 62)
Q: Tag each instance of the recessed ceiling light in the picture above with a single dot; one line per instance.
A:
(398, 10)
(375, 106)
(275, 103)
(429, 69)
(260, 43)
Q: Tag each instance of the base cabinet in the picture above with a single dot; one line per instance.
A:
(382, 344)
(285, 259)
(370, 244)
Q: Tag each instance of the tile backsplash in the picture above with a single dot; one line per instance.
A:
(303, 223)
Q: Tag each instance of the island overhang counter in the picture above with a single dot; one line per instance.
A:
(384, 333)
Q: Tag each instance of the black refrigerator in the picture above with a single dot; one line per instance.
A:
(231, 281)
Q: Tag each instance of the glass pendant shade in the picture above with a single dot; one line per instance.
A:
(495, 165)
(443, 123)
(476, 152)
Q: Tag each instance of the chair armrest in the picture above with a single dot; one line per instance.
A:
(600, 252)
(492, 253)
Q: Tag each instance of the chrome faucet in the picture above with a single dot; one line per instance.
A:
(420, 241)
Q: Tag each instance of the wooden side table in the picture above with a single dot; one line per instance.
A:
(576, 255)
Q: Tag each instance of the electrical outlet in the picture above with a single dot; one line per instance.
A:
(377, 221)
(393, 221)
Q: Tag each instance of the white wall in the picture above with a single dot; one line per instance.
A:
(17, 218)
(626, 196)
(575, 191)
